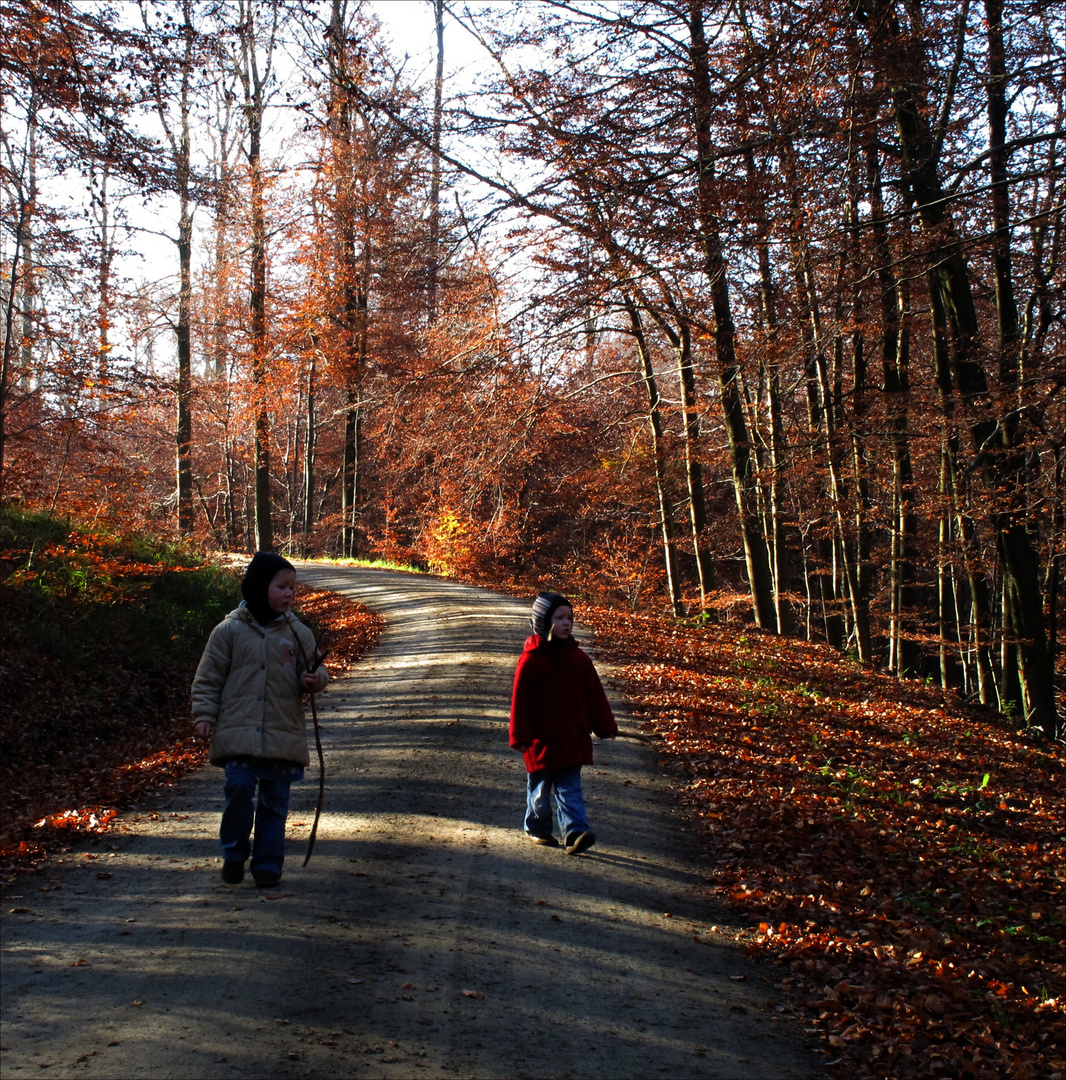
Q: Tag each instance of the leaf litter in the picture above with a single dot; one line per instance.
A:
(81, 787)
(898, 853)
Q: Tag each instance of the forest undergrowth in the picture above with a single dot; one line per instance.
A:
(101, 637)
(899, 854)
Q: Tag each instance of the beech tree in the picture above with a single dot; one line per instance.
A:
(706, 301)
(68, 140)
(177, 52)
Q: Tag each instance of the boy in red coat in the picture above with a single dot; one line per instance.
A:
(557, 705)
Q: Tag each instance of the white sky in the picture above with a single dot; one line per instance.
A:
(151, 258)
(410, 27)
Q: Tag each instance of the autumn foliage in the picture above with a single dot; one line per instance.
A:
(898, 854)
(682, 299)
(752, 313)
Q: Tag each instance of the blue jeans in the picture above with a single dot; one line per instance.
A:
(268, 815)
(569, 802)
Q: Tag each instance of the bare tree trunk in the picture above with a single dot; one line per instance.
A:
(19, 270)
(254, 83)
(232, 525)
(681, 342)
(264, 528)
(28, 307)
(354, 278)
(673, 583)
(434, 186)
(895, 364)
(1058, 556)
(945, 579)
(309, 459)
(350, 471)
(183, 426)
(101, 210)
(178, 137)
(1001, 462)
(777, 461)
(756, 553)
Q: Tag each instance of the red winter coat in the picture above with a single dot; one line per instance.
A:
(558, 702)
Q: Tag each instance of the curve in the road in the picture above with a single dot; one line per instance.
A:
(427, 937)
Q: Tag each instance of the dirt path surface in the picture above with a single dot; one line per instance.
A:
(427, 937)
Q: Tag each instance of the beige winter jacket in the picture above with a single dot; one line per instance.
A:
(248, 686)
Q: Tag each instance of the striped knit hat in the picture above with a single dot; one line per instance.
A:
(544, 607)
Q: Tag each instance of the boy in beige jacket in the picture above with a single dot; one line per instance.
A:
(247, 696)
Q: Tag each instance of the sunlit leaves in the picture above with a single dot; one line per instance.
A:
(899, 853)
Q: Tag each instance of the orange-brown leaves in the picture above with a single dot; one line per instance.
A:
(348, 630)
(900, 854)
(104, 759)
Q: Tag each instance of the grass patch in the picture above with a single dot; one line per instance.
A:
(372, 564)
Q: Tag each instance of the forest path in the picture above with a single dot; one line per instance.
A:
(427, 937)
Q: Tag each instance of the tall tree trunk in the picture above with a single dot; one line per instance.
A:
(183, 330)
(28, 276)
(434, 185)
(681, 342)
(823, 407)
(945, 579)
(350, 470)
(20, 271)
(101, 209)
(179, 140)
(666, 523)
(1006, 303)
(756, 552)
(1058, 550)
(354, 277)
(851, 309)
(254, 83)
(264, 528)
(309, 458)
(777, 456)
(232, 524)
(895, 364)
(1001, 462)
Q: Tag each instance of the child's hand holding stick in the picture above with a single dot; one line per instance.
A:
(312, 682)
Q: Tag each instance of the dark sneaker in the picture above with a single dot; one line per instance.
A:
(579, 842)
(265, 879)
(232, 872)
(545, 841)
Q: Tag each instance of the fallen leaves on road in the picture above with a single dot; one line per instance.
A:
(899, 853)
(348, 630)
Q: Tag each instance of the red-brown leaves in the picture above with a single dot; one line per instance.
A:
(348, 630)
(87, 779)
(900, 853)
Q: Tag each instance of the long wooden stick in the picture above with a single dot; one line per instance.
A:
(318, 747)
(321, 783)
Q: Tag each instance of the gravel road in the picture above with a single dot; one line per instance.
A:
(427, 937)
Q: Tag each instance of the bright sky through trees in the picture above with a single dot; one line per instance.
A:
(674, 299)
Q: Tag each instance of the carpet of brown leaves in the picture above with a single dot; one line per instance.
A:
(87, 781)
(899, 854)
